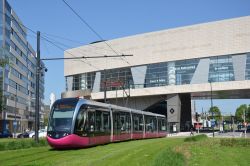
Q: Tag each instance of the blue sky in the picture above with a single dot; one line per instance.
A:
(114, 19)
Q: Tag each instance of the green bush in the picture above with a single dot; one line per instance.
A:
(13, 144)
(195, 138)
(168, 157)
(235, 142)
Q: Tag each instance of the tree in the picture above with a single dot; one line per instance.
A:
(239, 114)
(216, 112)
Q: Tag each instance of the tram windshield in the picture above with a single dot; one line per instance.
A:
(61, 116)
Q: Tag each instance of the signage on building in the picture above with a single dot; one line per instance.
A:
(157, 81)
(221, 68)
(185, 68)
(171, 110)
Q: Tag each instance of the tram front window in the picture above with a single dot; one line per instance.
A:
(61, 119)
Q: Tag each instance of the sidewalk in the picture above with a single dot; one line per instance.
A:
(180, 134)
(187, 134)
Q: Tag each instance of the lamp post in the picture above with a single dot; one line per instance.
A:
(211, 97)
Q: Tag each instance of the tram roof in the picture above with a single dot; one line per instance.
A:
(125, 109)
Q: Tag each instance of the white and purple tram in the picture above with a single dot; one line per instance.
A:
(76, 123)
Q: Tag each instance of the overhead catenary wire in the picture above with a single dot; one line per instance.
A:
(69, 53)
(67, 46)
(88, 25)
(56, 45)
(82, 57)
(93, 30)
(94, 52)
(74, 41)
(51, 42)
(87, 57)
(112, 56)
(44, 38)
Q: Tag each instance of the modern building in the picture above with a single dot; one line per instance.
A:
(17, 72)
(168, 68)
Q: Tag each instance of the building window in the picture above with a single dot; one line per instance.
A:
(82, 81)
(221, 69)
(248, 67)
(116, 79)
(156, 75)
(170, 73)
(184, 70)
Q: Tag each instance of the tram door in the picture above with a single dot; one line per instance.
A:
(116, 126)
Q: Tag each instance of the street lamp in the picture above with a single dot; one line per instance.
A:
(211, 97)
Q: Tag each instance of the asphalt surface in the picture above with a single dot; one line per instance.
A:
(216, 134)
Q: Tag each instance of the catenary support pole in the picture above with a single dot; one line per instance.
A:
(211, 95)
(37, 110)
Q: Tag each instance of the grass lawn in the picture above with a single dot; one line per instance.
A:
(155, 152)
(210, 152)
(6, 139)
(142, 152)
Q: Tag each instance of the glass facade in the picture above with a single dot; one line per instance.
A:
(116, 79)
(219, 68)
(19, 77)
(248, 67)
(156, 75)
(184, 71)
(81, 81)
(7, 25)
(1, 24)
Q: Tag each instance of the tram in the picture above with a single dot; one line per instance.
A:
(77, 123)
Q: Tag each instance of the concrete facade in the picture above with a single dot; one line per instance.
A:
(197, 41)
(166, 65)
(18, 76)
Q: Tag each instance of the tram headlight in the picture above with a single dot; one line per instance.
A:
(65, 134)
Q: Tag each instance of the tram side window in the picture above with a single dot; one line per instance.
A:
(151, 124)
(116, 122)
(125, 122)
(80, 126)
(128, 123)
(106, 121)
(137, 122)
(154, 120)
(148, 124)
(141, 123)
(91, 120)
(98, 121)
(162, 124)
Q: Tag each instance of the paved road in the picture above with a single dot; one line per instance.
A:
(247, 135)
(229, 134)
(217, 134)
(232, 135)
